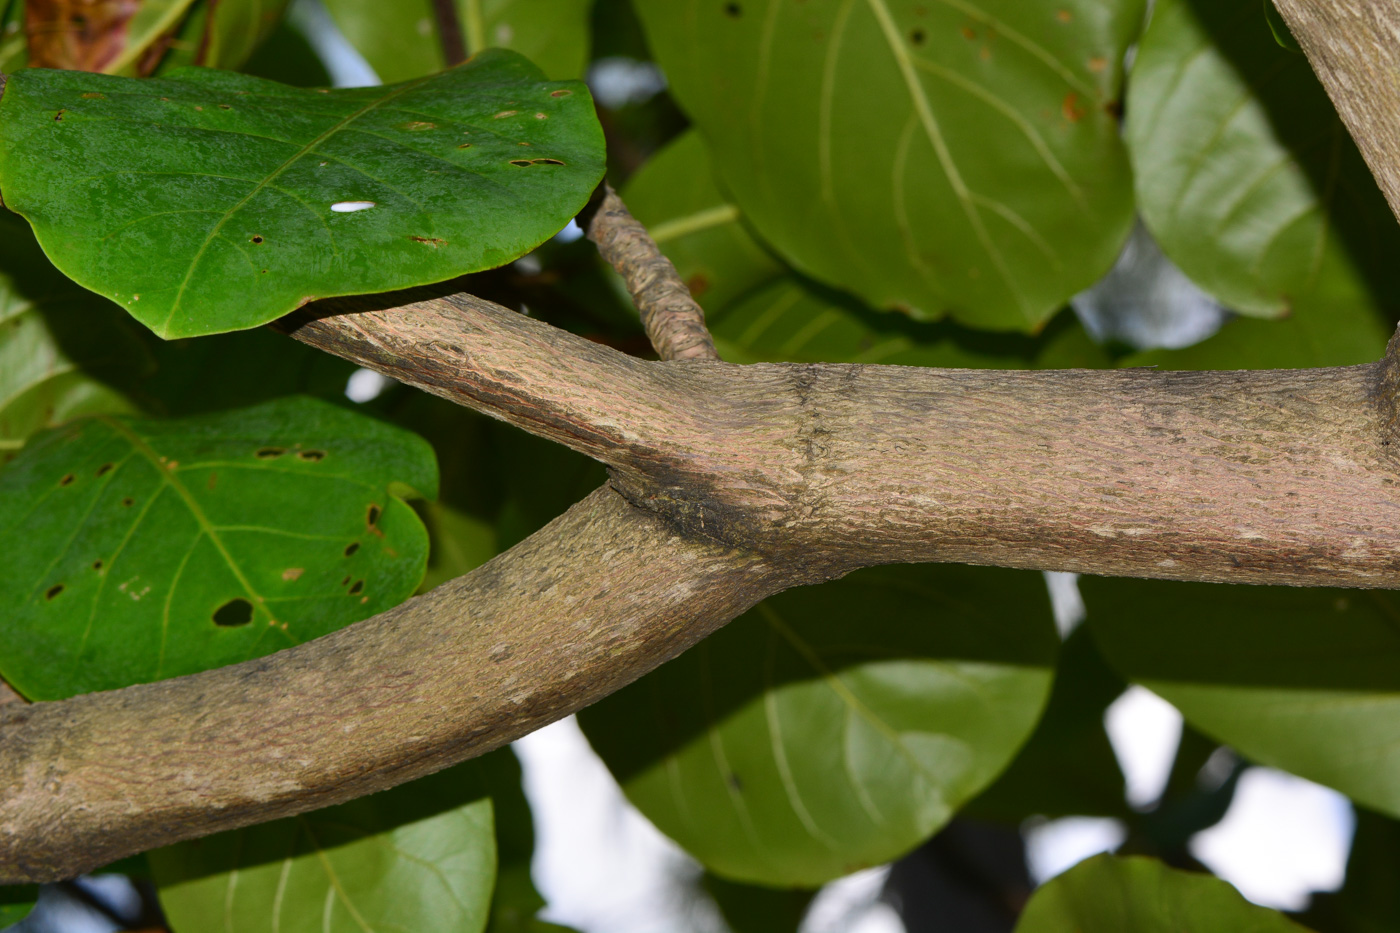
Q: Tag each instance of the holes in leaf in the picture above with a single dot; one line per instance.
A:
(372, 515)
(524, 163)
(256, 238)
(97, 565)
(58, 117)
(67, 480)
(104, 469)
(52, 592)
(350, 550)
(269, 453)
(313, 456)
(357, 587)
(733, 10)
(234, 613)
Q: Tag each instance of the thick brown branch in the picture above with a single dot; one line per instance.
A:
(591, 602)
(674, 322)
(1354, 46)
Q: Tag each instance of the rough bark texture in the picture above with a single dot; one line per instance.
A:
(520, 642)
(674, 322)
(1354, 46)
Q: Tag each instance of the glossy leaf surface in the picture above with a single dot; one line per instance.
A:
(210, 201)
(1245, 174)
(834, 727)
(400, 40)
(64, 352)
(959, 158)
(1111, 895)
(419, 857)
(1307, 680)
(159, 548)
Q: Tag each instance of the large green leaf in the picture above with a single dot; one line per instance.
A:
(139, 550)
(210, 201)
(698, 226)
(1307, 680)
(960, 157)
(64, 351)
(400, 40)
(1113, 895)
(834, 727)
(420, 858)
(16, 901)
(1245, 173)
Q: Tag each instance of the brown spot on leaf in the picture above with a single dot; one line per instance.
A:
(505, 113)
(432, 241)
(465, 146)
(128, 502)
(1072, 108)
(1097, 64)
(53, 591)
(213, 479)
(415, 126)
(293, 573)
(1064, 16)
(104, 469)
(67, 480)
(357, 587)
(225, 107)
(698, 284)
(269, 453)
(93, 95)
(312, 456)
(562, 92)
(372, 514)
(969, 33)
(97, 565)
(350, 549)
(733, 10)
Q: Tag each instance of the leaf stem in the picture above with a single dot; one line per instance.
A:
(454, 47)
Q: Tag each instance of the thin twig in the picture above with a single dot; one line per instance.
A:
(673, 321)
(454, 46)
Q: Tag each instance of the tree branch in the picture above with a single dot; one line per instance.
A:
(735, 482)
(674, 322)
(1354, 46)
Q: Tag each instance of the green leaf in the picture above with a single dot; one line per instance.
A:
(1068, 766)
(1307, 680)
(1282, 34)
(1111, 895)
(750, 908)
(1246, 175)
(210, 201)
(158, 548)
(698, 226)
(222, 33)
(834, 727)
(400, 40)
(64, 352)
(14, 45)
(288, 56)
(959, 158)
(420, 857)
(16, 901)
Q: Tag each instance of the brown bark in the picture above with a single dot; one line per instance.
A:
(673, 320)
(1354, 46)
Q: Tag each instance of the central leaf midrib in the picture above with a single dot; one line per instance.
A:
(200, 518)
(276, 173)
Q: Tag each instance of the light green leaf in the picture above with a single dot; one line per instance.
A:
(1112, 895)
(834, 727)
(420, 858)
(210, 201)
(1307, 680)
(698, 226)
(14, 46)
(960, 158)
(64, 352)
(158, 548)
(16, 901)
(1246, 175)
(400, 40)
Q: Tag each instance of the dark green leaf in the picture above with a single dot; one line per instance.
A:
(64, 351)
(16, 901)
(959, 158)
(1369, 901)
(1307, 680)
(158, 548)
(1282, 34)
(834, 727)
(1068, 766)
(751, 908)
(400, 40)
(1246, 175)
(288, 57)
(222, 33)
(697, 226)
(420, 858)
(210, 201)
(1113, 895)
